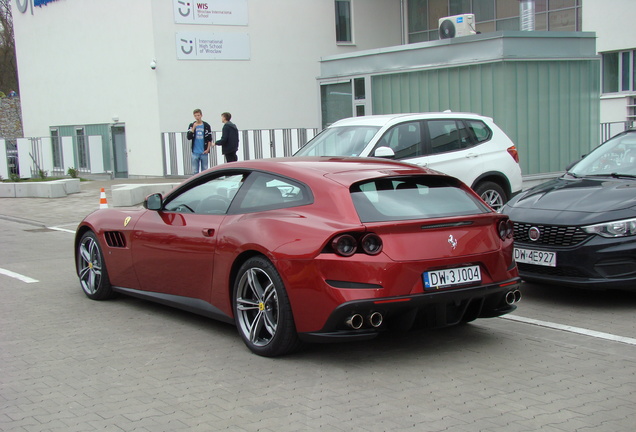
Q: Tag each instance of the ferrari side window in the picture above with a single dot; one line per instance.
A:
(268, 192)
(212, 197)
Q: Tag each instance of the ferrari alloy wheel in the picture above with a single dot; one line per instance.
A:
(262, 311)
(92, 269)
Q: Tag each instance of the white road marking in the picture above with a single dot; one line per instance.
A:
(62, 229)
(17, 276)
(567, 328)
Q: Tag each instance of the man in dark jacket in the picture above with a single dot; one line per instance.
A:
(229, 142)
(200, 133)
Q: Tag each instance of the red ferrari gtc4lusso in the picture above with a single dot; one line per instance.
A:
(308, 249)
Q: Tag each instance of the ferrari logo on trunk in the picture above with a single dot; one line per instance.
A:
(452, 241)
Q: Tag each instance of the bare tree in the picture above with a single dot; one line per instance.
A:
(8, 63)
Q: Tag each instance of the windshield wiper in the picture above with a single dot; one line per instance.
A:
(572, 174)
(614, 175)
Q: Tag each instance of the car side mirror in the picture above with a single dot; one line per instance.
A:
(384, 152)
(153, 202)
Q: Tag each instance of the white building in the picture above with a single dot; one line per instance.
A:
(131, 71)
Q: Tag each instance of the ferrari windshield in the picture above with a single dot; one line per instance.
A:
(616, 157)
(339, 141)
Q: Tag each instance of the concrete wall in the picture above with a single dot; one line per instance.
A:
(88, 62)
(613, 22)
(84, 62)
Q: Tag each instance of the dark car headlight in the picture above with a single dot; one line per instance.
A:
(620, 228)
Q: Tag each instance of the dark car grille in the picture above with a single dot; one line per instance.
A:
(551, 235)
(115, 239)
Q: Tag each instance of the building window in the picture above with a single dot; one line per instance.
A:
(343, 21)
(359, 89)
(82, 149)
(335, 101)
(490, 15)
(56, 144)
(619, 71)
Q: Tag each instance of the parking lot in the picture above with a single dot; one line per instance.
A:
(564, 361)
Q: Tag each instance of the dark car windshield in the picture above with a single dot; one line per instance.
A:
(406, 198)
(615, 158)
(339, 141)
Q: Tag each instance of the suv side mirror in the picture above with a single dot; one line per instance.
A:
(384, 152)
(153, 202)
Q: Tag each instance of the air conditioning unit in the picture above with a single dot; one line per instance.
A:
(456, 26)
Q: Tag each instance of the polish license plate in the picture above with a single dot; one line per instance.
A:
(449, 277)
(537, 257)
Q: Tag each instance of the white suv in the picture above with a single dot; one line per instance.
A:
(467, 146)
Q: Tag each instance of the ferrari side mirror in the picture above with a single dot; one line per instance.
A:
(153, 202)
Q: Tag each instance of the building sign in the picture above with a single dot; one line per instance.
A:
(23, 5)
(213, 46)
(215, 12)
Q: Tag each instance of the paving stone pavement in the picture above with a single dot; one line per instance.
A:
(71, 364)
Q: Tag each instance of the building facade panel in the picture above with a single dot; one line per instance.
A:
(548, 108)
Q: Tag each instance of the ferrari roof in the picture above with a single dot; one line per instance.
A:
(345, 170)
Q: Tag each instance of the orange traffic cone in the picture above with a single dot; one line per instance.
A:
(102, 199)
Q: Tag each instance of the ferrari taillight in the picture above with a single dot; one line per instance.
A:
(347, 245)
(344, 245)
(371, 244)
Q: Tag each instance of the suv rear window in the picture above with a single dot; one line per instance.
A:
(480, 131)
(406, 198)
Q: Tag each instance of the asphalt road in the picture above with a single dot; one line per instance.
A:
(564, 361)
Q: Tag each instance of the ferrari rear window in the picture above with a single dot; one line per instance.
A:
(424, 197)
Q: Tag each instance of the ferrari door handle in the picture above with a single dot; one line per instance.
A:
(208, 232)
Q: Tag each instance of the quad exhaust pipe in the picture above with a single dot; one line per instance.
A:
(513, 297)
(356, 321)
(375, 319)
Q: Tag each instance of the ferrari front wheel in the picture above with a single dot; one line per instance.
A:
(91, 268)
(262, 311)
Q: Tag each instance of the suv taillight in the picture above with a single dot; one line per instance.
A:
(514, 153)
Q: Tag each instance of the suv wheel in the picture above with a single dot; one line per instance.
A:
(492, 194)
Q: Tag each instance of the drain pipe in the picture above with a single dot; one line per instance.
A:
(526, 12)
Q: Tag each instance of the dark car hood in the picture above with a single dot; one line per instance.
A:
(567, 200)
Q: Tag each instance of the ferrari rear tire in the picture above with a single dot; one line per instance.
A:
(91, 269)
(262, 310)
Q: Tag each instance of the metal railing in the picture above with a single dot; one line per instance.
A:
(254, 144)
(610, 129)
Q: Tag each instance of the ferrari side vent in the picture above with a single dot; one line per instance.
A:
(115, 239)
